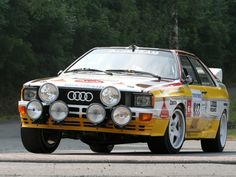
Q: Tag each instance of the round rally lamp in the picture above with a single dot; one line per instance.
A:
(121, 115)
(34, 109)
(96, 113)
(48, 93)
(110, 96)
(58, 111)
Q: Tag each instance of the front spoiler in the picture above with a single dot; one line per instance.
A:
(154, 127)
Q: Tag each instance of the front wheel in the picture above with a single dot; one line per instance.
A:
(173, 139)
(101, 148)
(40, 140)
(217, 144)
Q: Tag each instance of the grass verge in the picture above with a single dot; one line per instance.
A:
(231, 134)
(232, 115)
(232, 109)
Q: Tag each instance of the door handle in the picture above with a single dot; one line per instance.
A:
(204, 92)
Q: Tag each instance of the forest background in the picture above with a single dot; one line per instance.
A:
(40, 37)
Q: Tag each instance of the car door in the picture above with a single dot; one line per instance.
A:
(198, 118)
(214, 95)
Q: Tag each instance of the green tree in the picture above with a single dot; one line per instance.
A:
(38, 38)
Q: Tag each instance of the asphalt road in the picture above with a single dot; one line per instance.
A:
(73, 158)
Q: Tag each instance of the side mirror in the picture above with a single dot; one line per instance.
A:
(188, 80)
(59, 72)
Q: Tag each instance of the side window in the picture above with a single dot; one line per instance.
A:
(187, 69)
(204, 76)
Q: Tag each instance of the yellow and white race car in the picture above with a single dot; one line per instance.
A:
(117, 95)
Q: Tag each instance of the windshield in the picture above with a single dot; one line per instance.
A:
(161, 63)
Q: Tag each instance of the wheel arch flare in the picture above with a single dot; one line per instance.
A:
(168, 99)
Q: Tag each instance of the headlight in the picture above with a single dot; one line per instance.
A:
(143, 100)
(48, 93)
(58, 111)
(96, 113)
(29, 94)
(110, 96)
(34, 109)
(121, 115)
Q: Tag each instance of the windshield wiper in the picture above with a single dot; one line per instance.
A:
(89, 69)
(134, 71)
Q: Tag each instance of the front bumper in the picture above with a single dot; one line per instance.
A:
(154, 127)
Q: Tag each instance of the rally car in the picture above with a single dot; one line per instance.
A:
(116, 95)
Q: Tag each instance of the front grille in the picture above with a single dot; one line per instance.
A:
(80, 98)
(108, 125)
(134, 125)
(63, 95)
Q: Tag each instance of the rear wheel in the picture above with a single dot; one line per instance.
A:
(40, 140)
(217, 144)
(101, 148)
(174, 136)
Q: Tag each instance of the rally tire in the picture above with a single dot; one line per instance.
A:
(173, 139)
(99, 148)
(218, 143)
(40, 140)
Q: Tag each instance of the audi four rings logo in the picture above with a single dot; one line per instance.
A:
(80, 96)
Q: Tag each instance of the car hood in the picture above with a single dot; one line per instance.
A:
(131, 82)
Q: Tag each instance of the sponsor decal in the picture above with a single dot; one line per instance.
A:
(204, 107)
(196, 95)
(83, 85)
(189, 107)
(88, 81)
(196, 109)
(164, 111)
(43, 81)
(173, 102)
(164, 86)
(213, 106)
(152, 52)
(196, 102)
(130, 86)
